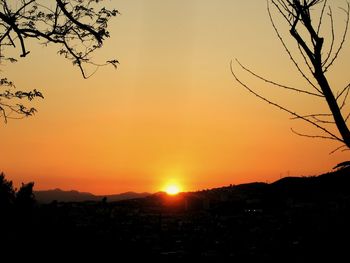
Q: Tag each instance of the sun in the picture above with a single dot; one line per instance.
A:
(172, 189)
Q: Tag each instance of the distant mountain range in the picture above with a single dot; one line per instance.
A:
(331, 183)
(59, 195)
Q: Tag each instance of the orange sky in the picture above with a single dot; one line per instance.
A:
(171, 111)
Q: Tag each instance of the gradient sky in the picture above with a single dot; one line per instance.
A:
(171, 111)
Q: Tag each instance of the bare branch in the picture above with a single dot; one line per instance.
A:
(281, 3)
(343, 90)
(305, 58)
(317, 118)
(337, 149)
(315, 115)
(347, 12)
(289, 53)
(313, 136)
(321, 17)
(283, 108)
(275, 83)
(344, 100)
(299, 15)
(332, 38)
(347, 117)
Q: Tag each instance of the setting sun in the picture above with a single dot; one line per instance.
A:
(172, 189)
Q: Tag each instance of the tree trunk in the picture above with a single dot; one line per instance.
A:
(333, 106)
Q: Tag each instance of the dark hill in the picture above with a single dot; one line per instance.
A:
(59, 195)
(334, 183)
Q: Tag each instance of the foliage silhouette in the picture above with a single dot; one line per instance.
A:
(305, 20)
(76, 27)
(22, 200)
(7, 193)
(25, 198)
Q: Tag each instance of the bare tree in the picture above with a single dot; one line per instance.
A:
(76, 27)
(305, 20)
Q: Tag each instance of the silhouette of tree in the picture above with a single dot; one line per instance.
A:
(76, 27)
(7, 193)
(306, 20)
(7, 200)
(25, 199)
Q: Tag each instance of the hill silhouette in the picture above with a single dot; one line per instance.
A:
(304, 186)
(47, 196)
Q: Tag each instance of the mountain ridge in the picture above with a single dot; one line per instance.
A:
(59, 195)
(305, 185)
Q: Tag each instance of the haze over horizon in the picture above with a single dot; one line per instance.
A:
(171, 112)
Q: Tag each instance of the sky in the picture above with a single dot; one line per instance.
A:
(172, 111)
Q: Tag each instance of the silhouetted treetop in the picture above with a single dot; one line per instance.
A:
(76, 27)
(7, 193)
(25, 198)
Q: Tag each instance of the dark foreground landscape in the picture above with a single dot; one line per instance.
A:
(296, 219)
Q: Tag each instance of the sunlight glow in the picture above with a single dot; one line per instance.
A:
(172, 189)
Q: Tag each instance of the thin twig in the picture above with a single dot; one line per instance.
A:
(343, 90)
(289, 53)
(283, 108)
(313, 136)
(333, 38)
(337, 149)
(321, 17)
(275, 83)
(347, 12)
(344, 100)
